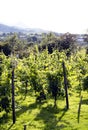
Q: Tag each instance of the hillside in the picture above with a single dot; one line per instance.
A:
(7, 29)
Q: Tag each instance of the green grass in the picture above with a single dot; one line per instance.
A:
(44, 117)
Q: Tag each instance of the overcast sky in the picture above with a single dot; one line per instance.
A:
(55, 15)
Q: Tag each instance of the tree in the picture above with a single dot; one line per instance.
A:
(13, 45)
(67, 42)
(49, 42)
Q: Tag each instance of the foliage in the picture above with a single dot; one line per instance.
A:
(65, 42)
(5, 90)
(54, 85)
(85, 83)
(44, 73)
(13, 45)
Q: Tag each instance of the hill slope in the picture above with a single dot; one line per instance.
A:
(6, 29)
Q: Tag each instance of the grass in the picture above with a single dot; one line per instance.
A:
(44, 117)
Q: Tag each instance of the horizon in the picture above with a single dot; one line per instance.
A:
(53, 15)
(45, 30)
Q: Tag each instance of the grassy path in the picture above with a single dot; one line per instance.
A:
(45, 117)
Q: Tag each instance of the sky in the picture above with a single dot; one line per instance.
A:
(54, 15)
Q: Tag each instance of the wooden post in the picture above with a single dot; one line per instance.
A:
(24, 127)
(26, 86)
(79, 108)
(13, 99)
(65, 85)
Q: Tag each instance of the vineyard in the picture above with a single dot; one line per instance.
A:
(44, 90)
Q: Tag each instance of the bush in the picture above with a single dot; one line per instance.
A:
(5, 104)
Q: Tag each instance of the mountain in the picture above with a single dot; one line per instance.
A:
(7, 29)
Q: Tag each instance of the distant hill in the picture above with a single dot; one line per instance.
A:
(7, 29)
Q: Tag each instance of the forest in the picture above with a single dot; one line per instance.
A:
(43, 86)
